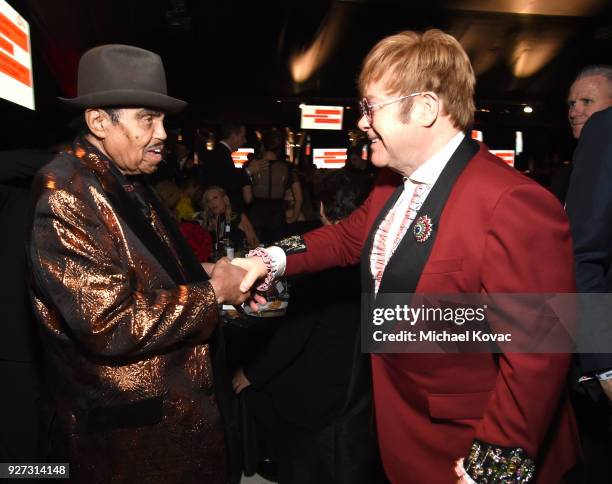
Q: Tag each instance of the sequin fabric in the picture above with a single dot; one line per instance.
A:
(392, 230)
(127, 355)
(292, 245)
(491, 464)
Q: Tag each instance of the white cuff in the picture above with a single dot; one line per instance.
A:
(606, 375)
(279, 261)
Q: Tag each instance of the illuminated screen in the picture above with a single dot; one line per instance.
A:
(16, 84)
(321, 117)
(329, 157)
(240, 156)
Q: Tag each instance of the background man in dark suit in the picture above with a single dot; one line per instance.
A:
(217, 166)
(590, 92)
(589, 207)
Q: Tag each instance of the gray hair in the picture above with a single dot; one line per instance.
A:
(596, 70)
(113, 114)
(81, 125)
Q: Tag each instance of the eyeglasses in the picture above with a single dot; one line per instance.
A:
(368, 109)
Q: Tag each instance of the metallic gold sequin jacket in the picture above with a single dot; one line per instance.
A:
(126, 315)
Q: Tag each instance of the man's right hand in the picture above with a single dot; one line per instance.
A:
(255, 270)
(225, 280)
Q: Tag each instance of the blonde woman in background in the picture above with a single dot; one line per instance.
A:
(217, 212)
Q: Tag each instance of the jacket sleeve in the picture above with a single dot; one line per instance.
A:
(80, 275)
(528, 250)
(331, 245)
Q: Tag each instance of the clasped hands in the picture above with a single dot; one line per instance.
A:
(234, 282)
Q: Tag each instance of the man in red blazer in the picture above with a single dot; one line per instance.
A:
(460, 222)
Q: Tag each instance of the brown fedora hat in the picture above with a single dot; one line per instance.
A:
(122, 75)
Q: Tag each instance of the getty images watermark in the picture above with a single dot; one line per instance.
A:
(491, 323)
(413, 315)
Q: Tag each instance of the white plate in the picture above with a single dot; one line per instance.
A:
(272, 309)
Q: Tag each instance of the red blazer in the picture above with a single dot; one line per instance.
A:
(499, 232)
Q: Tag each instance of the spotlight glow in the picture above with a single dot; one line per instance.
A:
(305, 63)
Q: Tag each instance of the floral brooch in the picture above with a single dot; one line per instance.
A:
(422, 228)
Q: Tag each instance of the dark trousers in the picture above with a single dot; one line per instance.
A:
(341, 452)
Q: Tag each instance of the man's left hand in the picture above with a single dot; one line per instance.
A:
(464, 478)
(208, 267)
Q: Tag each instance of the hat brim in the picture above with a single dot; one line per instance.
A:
(126, 97)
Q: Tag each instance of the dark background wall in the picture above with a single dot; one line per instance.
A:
(231, 59)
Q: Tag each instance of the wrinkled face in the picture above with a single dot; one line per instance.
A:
(393, 140)
(136, 140)
(216, 201)
(587, 96)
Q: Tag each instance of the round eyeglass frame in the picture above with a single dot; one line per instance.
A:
(366, 109)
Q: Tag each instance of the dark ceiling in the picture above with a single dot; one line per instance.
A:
(233, 59)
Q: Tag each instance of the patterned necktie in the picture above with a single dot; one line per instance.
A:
(380, 251)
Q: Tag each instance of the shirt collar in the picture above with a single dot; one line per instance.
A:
(429, 171)
(226, 145)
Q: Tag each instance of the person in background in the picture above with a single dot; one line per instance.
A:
(447, 217)
(310, 386)
(198, 238)
(272, 176)
(190, 195)
(293, 207)
(338, 190)
(217, 168)
(217, 212)
(245, 181)
(589, 208)
(590, 92)
(246, 186)
(128, 316)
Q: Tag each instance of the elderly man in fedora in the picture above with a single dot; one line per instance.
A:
(128, 315)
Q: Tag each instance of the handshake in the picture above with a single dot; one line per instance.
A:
(234, 282)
